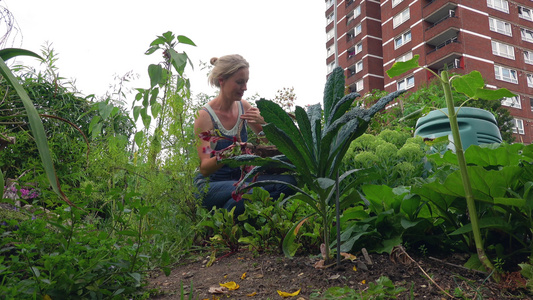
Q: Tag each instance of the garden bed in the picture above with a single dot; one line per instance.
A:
(266, 274)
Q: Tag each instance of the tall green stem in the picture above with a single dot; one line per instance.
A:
(452, 115)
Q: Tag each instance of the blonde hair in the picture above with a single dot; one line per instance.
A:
(224, 67)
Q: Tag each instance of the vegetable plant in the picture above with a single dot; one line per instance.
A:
(473, 86)
(314, 148)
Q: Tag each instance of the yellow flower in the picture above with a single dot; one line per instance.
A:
(243, 276)
(354, 268)
(252, 294)
(231, 285)
(363, 282)
(285, 294)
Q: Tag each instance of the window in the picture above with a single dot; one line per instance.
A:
(505, 74)
(518, 126)
(528, 57)
(359, 66)
(354, 14)
(359, 85)
(396, 2)
(355, 31)
(501, 49)
(331, 66)
(527, 35)
(401, 18)
(500, 26)
(512, 102)
(331, 51)
(531, 103)
(330, 18)
(357, 11)
(329, 3)
(358, 29)
(407, 56)
(525, 13)
(529, 78)
(358, 48)
(406, 83)
(502, 5)
(330, 34)
(402, 39)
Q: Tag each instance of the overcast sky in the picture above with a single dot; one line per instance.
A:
(283, 40)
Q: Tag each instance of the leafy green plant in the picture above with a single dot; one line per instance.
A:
(61, 254)
(165, 99)
(383, 289)
(36, 124)
(267, 220)
(314, 149)
(226, 230)
(473, 86)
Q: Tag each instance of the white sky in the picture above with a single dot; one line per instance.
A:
(283, 40)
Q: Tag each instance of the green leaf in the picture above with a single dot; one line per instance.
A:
(145, 118)
(128, 233)
(153, 96)
(325, 183)
(105, 109)
(158, 41)
(136, 112)
(185, 40)
(2, 183)
(469, 84)
(8, 53)
(491, 222)
(517, 202)
(139, 137)
(156, 108)
(305, 129)
(498, 94)
(178, 60)
(155, 72)
(93, 123)
(333, 91)
(400, 67)
(289, 246)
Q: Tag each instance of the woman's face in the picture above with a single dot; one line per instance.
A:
(235, 85)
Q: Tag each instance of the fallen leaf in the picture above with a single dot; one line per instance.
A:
(252, 294)
(348, 256)
(285, 294)
(363, 281)
(319, 264)
(354, 268)
(218, 290)
(243, 276)
(333, 277)
(231, 285)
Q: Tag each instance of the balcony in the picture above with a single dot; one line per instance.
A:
(438, 6)
(442, 36)
(444, 54)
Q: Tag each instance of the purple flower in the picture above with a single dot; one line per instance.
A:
(24, 192)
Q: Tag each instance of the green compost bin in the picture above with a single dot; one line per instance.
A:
(476, 126)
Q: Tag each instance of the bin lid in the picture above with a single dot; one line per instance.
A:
(464, 112)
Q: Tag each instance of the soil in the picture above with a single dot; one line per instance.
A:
(266, 274)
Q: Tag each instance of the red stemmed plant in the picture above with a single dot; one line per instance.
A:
(235, 149)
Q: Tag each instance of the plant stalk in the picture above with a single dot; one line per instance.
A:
(470, 202)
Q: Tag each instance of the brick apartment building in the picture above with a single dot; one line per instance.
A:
(494, 37)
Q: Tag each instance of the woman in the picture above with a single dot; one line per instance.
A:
(229, 114)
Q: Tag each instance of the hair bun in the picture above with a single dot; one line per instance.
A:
(213, 60)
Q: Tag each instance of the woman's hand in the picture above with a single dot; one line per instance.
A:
(253, 116)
